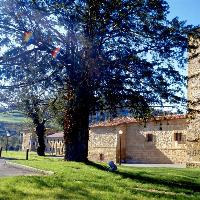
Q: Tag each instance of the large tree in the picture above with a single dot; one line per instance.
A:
(102, 55)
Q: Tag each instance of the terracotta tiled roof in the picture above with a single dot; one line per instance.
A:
(115, 122)
(55, 135)
(169, 117)
(128, 120)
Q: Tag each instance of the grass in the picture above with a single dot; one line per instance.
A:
(91, 181)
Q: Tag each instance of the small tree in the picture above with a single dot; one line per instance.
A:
(34, 105)
(34, 110)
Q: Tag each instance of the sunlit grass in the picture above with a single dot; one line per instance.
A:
(81, 181)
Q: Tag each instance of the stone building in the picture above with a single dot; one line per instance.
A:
(193, 135)
(53, 141)
(55, 144)
(160, 140)
(29, 141)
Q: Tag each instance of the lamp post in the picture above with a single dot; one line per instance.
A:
(20, 140)
(7, 135)
(120, 134)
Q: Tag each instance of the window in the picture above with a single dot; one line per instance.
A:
(101, 156)
(178, 137)
(149, 137)
(160, 128)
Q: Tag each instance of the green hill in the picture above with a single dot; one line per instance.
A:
(13, 122)
(13, 117)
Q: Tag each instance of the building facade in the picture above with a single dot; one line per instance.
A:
(193, 136)
(29, 141)
(160, 140)
(53, 141)
(55, 144)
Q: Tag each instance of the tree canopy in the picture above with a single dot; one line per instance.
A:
(100, 55)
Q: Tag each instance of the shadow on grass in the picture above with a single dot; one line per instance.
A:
(76, 187)
(194, 187)
(57, 188)
(46, 188)
(144, 178)
(36, 188)
(54, 156)
(96, 165)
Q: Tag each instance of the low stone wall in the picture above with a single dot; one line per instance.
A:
(193, 164)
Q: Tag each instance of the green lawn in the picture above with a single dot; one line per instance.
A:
(80, 181)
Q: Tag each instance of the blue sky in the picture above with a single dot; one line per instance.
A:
(186, 10)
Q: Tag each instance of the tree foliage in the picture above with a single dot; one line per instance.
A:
(101, 55)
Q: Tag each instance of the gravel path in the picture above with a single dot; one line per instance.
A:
(8, 170)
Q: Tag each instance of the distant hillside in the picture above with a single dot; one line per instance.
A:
(13, 121)
(12, 117)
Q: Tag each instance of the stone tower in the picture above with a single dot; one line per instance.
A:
(193, 132)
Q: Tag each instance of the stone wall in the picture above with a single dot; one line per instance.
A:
(29, 141)
(163, 148)
(193, 136)
(105, 142)
(26, 141)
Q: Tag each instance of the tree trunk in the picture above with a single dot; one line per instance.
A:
(76, 133)
(40, 132)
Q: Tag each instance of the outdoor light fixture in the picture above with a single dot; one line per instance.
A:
(7, 135)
